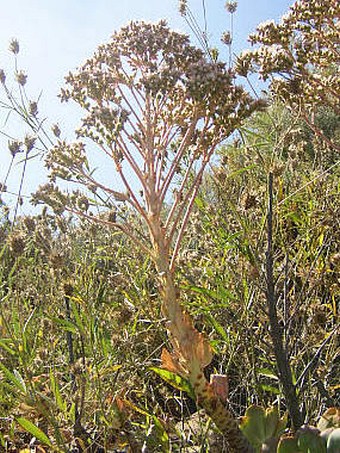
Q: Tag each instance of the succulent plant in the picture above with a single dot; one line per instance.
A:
(264, 430)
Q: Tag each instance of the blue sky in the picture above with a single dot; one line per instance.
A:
(58, 35)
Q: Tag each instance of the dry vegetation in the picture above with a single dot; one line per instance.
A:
(150, 319)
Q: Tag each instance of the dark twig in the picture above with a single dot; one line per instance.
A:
(276, 333)
(69, 337)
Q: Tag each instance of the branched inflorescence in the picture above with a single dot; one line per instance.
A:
(301, 56)
(156, 106)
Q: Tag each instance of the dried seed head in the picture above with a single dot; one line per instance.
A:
(14, 46)
(2, 76)
(125, 315)
(83, 203)
(29, 223)
(14, 147)
(231, 6)
(16, 243)
(226, 38)
(21, 78)
(56, 130)
(56, 259)
(112, 216)
(78, 367)
(221, 175)
(182, 7)
(278, 169)
(253, 272)
(249, 201)
(33, 108)
(29, 142)
(68, 289)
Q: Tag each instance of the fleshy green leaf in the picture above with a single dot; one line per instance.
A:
(288, 444)
(333, 443)
(253, 425)
(309, 441)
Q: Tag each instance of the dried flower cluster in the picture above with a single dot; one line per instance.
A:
(14, 46)
(156, 105)
(69, 164)
(300, 55)
(51, 195)
(231, 6)
(21, 78)
(2, 76)
(182, 7)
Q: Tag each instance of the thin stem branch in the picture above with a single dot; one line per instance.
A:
(319, 133)
(122, 227)
(23, 173)
(180, 199)
(195, 187)
(133, 110)
(130, 159)
(314, 360)
(134, 201)
(179, 154)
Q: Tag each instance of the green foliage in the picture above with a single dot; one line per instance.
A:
(34, 430)
(114, 318)
(265, 431)
(175, 381)
(262, 426)
(333, 441)
(225, 253)
(157, 438)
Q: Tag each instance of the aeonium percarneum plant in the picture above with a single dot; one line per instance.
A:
(157, 109)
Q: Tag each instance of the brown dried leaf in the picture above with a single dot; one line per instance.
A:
(189, 343)
(171, 363)
(203, 350)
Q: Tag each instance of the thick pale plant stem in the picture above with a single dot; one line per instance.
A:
(192, 351)
(219, 413)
